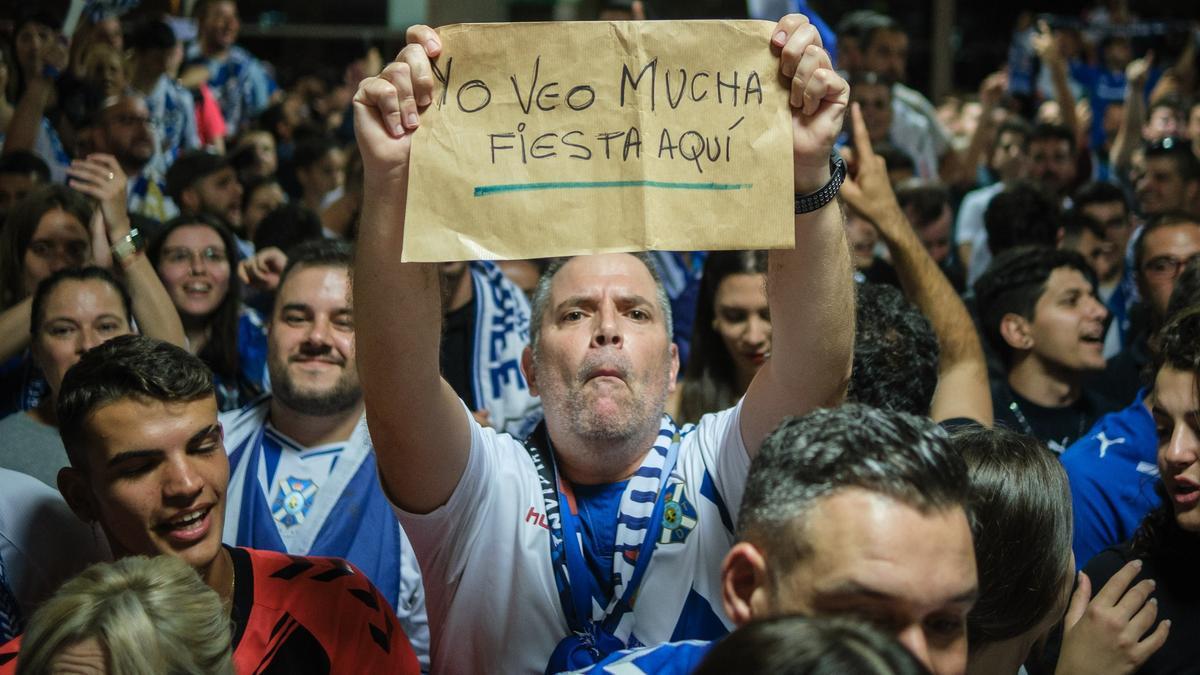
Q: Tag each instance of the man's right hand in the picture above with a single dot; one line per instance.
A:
(387, 106)
(1109, 634)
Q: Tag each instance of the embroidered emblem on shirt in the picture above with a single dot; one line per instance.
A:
(679, 516)
(1105, 442)
(293, 501)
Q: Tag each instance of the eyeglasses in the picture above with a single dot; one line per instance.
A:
(178, 255)
(1167, 267)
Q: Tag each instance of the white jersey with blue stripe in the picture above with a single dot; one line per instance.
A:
(491, 595)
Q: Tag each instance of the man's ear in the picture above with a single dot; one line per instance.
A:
(674, 367)
(1015, 330)
(743, 582)
(189, 200)
(73, 484)
(527, 370)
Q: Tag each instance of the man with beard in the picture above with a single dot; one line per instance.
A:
(538, 550)
(203, 182)
(302, 470)
(124, 129)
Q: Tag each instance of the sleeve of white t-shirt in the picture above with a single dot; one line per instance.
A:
(719, 440)
(491, 487)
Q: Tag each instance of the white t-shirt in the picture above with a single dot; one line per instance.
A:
(42, 542)
(490, 589)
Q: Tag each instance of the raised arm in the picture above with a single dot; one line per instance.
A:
(1129, 134)
(100, 177)
(1046, 45)
(810, 288)
(26, 122)
(962, 389)
(421, 435)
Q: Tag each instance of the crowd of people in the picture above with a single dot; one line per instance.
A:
(955, 429)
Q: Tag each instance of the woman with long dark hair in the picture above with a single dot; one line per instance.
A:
(731, 337)
(1168, 541)
(196, 258)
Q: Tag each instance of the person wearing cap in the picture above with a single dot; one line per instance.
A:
(156, 54)
(204, 182)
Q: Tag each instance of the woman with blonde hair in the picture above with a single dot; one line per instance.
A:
(136, 615)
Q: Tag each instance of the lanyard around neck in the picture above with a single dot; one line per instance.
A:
(573, 579)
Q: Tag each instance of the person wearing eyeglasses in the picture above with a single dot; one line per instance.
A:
(195, 257)
(124, 129)
(1160, 252)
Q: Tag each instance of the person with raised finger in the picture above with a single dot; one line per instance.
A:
(530, 582)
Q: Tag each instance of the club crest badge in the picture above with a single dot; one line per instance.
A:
(293, 501)
(679, 515)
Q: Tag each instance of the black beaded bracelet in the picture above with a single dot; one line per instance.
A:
(814, 201)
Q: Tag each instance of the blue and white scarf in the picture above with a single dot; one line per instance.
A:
(502, 318)
(602, 624)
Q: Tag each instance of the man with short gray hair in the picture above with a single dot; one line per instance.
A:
(537, 550)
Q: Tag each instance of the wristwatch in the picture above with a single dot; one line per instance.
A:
(127, 246)
(815, 200)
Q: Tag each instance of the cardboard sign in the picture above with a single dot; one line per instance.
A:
(558, 139)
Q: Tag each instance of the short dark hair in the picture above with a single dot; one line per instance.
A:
(1020, 215)
(1075, 222)
(1162, 220)
(37, 312)
(882, 23)
(318, 253)
(201, 8)
(905, 457)
(855, 24)
(895, 352)
(1173, 102)
(1187, 289)
(1015, 282)
(1179, 151)
(1099, 192)
(540, 300)
(809, 645)
(928, 200)
(128, 366)
(1044, 131)
(1015, 125)
(1022, 506)
(287, 226)
(24, 163)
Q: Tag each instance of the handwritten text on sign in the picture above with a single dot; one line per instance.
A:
(561, 139)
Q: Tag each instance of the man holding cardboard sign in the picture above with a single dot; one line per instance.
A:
(607, 527)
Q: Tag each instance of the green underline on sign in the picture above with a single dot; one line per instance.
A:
(485, 190)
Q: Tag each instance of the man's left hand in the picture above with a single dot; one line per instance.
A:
(818, 97)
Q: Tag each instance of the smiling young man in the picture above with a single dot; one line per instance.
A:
(640, 498)
(139, 421)
(851, 511)
(303, 478)
(1040, 312)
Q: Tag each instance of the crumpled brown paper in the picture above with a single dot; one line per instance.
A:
(549, 139)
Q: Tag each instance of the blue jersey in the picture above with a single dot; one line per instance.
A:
(1112, 471)
(240, 83)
